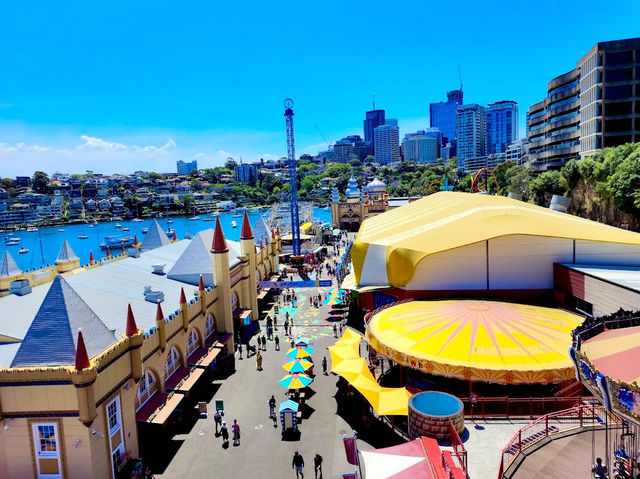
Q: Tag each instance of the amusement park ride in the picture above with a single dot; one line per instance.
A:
(293, 182)
(481, 181)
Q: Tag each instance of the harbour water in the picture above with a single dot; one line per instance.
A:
(44, 244)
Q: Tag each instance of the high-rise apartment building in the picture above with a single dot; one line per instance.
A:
(246, 173)
(470, 132)
(502, 126)
(588, 108)
(387, 142)
(350, 148)
(442, 115)
(422, 146)
(184, 168)
(373, 120)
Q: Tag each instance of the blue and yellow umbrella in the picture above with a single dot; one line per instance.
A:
(297, 366)
(295, 381)
(299, 353)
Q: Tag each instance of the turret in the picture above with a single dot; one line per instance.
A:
(222, 279)
(247, 249)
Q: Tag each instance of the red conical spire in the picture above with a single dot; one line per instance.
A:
(91, 259)
(82, 357)
(201, 284)
(246, 232)
(174, 236)
(159, 313)
(132, 327)
(108, 253)
(273, 235)
(183, 298)
(135, 239)
(123, 251)
(278, 230)
(219, 243)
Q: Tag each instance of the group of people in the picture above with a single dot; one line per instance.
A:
(621, 466)
(298, 464)
(224, 430)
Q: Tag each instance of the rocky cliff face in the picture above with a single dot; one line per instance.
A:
(589, 202)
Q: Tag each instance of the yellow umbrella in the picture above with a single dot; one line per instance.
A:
(349, 337)
(340, 353)
(350, 369)
(476, 340)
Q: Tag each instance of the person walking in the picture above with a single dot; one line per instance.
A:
(298, 465)
(240, 350)
(324, 365)
(264, 343)
(277, 340)
(217, 418)
(275, 322)
(317, 466)
(236, 432)
(259, 361)
(225, 434)
(286, 327)
(335, 331)
(272, 407)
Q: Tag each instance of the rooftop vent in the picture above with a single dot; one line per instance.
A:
(158, 269)
(153, 296)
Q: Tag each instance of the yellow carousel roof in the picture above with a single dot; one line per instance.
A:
(448, 220)
(477, 340)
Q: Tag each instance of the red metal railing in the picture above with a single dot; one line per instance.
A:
(509, 407)
(550, 425)
(459, 451)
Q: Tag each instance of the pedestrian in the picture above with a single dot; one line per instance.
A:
(264, 343)
(272, 407)
(259, 361)
(275, 323)
(217, 418)
(335, 331)
(236, 433)
(240, 350)
(317, 465)
(225, 434)
(292, 344)
(324, 365)
(298, 465)
(286, 326)
(340, 329)
(287, 315)
(277, 343)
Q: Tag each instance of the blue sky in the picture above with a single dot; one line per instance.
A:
(121, 85)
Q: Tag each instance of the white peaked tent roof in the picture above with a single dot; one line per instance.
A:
(66, 253)
(155, 237)
(261, 231)
(8, 266)
(196, 260)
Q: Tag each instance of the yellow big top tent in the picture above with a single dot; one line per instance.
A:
(346, 361)
(477, 340)
(389, 246)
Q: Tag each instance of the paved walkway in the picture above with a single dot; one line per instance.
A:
(262, 452)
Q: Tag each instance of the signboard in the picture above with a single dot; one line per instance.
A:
(294, 284)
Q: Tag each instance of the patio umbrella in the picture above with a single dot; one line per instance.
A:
(350, 369)
(302, 341)
(297, 365)
(295, 381)
(299, 353)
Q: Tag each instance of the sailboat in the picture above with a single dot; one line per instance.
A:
(234, 224)
(83, 236)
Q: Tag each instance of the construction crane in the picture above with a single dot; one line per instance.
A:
(323, 137)
(293, 179)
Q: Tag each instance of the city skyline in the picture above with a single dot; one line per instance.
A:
(108, 93)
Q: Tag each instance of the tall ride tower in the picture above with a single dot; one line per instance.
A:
(293, 179)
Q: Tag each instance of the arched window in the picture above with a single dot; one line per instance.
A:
(194, 341)
(173, 362)
(234, 301)
(148, 387)
(210, 326)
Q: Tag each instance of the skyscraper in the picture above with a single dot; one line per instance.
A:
(184, 168)
(373, 119)
(443, 115)
(387, 143)
(470, 132)
(502, 126)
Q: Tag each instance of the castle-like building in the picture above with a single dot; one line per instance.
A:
(349, 214)
(94, 360)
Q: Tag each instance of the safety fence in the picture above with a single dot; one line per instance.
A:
(459, 451)
(552, 425)
(510, 407)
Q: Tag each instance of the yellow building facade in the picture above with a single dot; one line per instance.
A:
(349, 215)
(81, 419)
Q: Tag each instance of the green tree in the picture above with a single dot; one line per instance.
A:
(548, 183)
(40, 182)
(230, 163)
(519, 180)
